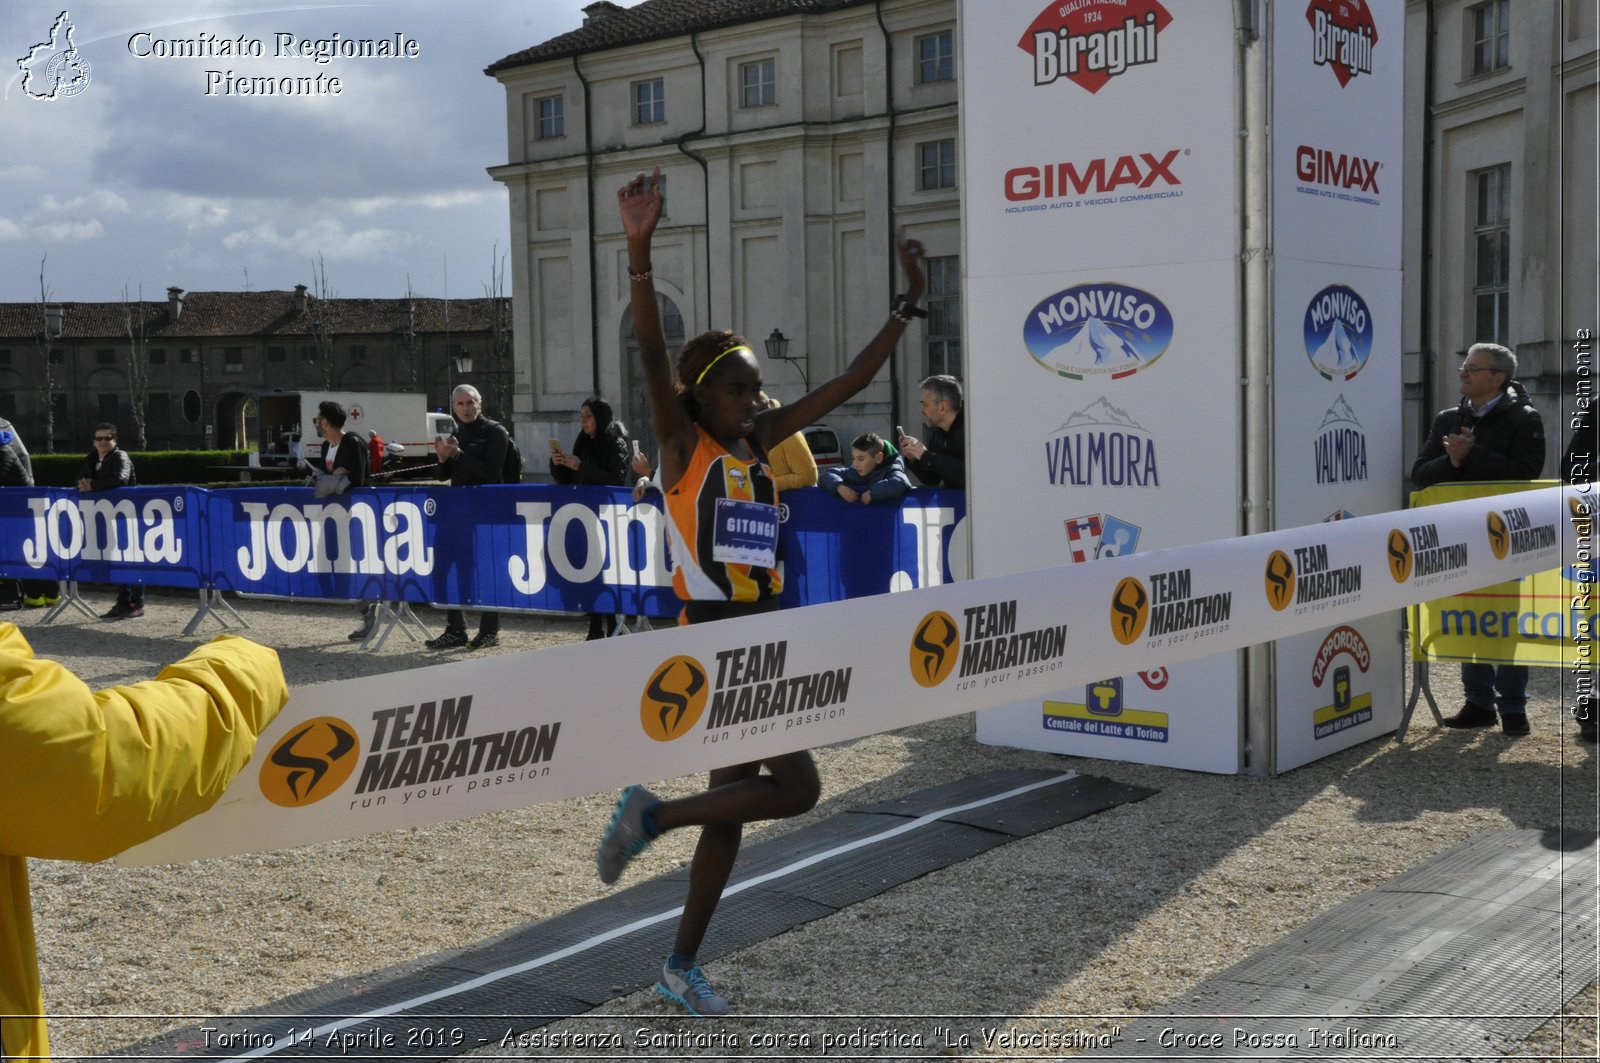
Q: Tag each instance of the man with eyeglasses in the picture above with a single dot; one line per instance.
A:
(107, 468)
(1493, 434)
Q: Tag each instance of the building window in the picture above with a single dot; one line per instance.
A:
(58, 356)
(552, 117)
(649, 102)
(107, 405)
(105, 356)
(308, 353)
(233, 359)
(943, 300)
(188, 355)
(277, 354)
(5, 355)
(936, 57)
(937, 165)
(1491, 36)
(357, 353)
(158, 356)
(1491, 290)
(158, 409)
(758, 85)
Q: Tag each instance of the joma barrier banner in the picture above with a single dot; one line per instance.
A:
(1543, 618)
(526, 546)
(439, 743)
(152, 535)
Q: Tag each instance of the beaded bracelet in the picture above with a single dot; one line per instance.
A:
(639, 276)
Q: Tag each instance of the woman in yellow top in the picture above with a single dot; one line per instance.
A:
(792, 462)
(85, 775)
(715, 433)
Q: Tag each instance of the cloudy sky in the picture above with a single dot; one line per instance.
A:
(142, 179)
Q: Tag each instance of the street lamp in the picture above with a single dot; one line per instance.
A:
(777, 346)
(463, 362)
(52, 320)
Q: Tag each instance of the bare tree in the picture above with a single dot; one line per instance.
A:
(136, 323)
(47, 329)
(413, 344)
(325, 320)
(499, 354)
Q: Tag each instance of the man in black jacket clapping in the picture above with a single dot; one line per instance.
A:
(476, 454)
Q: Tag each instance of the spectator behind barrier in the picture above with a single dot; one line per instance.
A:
(941, 461)
(475, 454)
(106, 468)
(875, 473)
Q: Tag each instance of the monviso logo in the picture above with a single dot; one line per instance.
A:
(673, 699)
(312, 761)
(54, 69)
(1338, 332)
(1102, 330)
(1089, 42)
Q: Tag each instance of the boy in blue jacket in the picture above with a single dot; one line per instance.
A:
(876, 472)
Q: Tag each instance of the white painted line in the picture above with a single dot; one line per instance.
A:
(414, 1003)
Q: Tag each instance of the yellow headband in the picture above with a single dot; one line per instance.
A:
(717, 359)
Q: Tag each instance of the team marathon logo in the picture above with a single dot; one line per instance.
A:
(1102, 329)
(1168, 612)
(1336, 175)
(54, 69)
(1339, 451)
(1101, 446)
(1512, 533)
(1343, 37)
(1100, 535)
(1309, 581)
(983, 648)
(413, 753)
(1097, 182)
(1338, 332)
(1104, 713)
(1349, 708)
(1419, 553)
(750, 691)
(1089, 42)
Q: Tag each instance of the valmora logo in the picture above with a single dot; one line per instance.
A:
(1130, 610)
(1279, 580)
(674, 699)
(1319, 166)
(1343, 37)
(1400, 555)
(1089, 42)
(1059, 180)
(935, 648)
(312, 761)
(1338, 332)
(1101, 329)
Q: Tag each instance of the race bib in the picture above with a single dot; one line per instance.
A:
(746, 533)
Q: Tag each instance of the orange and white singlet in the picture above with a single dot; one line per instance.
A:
(723, 519)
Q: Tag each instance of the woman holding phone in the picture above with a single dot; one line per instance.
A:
(714, 432)
(600, 455)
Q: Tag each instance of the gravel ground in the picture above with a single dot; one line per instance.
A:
(1112, 916)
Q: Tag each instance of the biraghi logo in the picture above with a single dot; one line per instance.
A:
(986, 645)
(1103, 329)
(1343, 37)
(748, 692)
(1089, 42)
(1338, 332)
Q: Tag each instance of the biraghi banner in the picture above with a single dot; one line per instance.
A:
(443, 742)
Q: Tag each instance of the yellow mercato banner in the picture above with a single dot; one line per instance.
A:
(1545, 619)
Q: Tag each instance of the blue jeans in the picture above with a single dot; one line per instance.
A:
(1482, 681)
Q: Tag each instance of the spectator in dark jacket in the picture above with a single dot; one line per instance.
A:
(475, 454)
(106, 468)
(1494, 433)
(941, 460)
(600, 455)
(875, 473)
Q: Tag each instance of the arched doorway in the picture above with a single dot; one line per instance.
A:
(235, 411)
(634, 408)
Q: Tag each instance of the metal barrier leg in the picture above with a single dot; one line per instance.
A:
(1419, 689)
(67, 596)
(391, 615)
(212, 603)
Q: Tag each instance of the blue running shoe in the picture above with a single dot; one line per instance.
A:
(625, 837)
(690, 990)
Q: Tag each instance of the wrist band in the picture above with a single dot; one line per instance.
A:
(902, 310)
(644, 276)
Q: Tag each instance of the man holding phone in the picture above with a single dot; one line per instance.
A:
(942, 460)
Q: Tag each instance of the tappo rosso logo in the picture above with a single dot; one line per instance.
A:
(1343, 37)
(310, 762)
(1092, 41)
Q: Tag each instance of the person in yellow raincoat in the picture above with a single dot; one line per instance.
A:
(84, 775)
